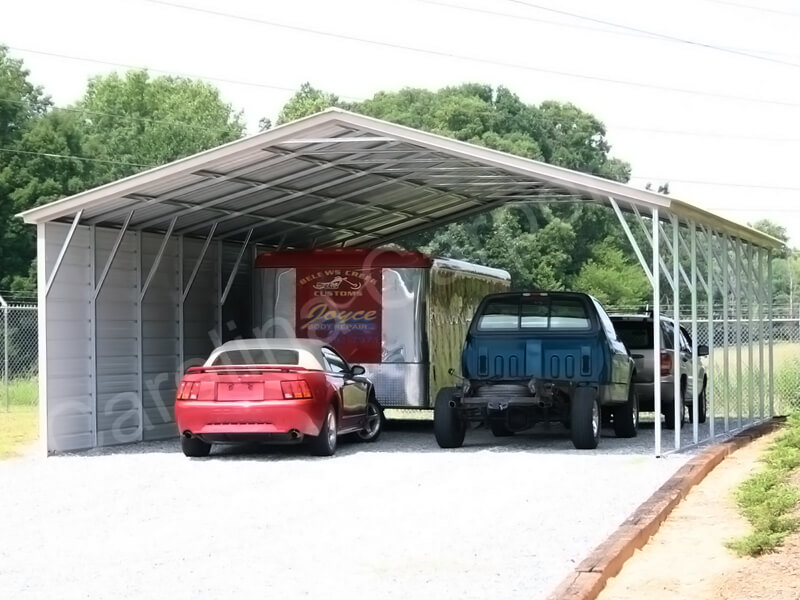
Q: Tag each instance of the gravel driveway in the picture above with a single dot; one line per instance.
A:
(401, 518)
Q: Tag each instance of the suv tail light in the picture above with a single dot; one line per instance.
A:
(188, 390)
(666, 363)
(296, 390)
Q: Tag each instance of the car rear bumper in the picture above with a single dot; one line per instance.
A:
(645, 391)
(232, 421)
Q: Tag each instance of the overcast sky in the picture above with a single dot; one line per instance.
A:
(738, 157)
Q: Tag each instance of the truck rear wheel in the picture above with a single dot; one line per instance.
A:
(447, 425)
(585, 418)
(626, 416)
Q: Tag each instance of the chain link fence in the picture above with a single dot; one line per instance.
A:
(20, 357)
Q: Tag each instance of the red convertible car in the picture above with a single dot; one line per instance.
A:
(275, 390)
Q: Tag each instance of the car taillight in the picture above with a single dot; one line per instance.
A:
(188, 390)
(666, 363)
(296, 390)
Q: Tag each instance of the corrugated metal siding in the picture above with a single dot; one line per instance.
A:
(237, 314)
(118, 405)
(200, 309)
(70, 402)
(160, 340)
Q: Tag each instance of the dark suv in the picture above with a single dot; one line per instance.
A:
(540, 356)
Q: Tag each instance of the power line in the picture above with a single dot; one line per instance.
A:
(635, 34)
(71, 157)
(756, 8)
(119, 116)
(475, 59)
(655, 34)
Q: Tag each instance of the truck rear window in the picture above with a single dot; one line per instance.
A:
(534, 312)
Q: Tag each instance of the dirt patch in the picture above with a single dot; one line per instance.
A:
(687, 558)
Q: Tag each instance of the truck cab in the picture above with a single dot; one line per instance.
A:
(532, 357)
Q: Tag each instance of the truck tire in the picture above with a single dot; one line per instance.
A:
(447, 425)
(626, 416)
(585, 418)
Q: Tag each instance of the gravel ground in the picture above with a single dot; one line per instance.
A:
(400, 518)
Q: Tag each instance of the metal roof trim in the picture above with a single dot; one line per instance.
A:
(588, 186)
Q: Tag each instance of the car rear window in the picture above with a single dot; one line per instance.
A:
(258, 356)
(534, 312)
(636, 335)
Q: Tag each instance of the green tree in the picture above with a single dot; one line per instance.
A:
(122, 125)
(613, 279)
(134, 120)
(307, 101)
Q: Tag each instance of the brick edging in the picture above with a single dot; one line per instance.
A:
(605, 561)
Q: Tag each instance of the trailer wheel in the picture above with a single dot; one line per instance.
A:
(585, 418)
(626, 416)
(447, 425)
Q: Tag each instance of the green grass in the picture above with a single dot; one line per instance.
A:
(19, 426)
(768, 499)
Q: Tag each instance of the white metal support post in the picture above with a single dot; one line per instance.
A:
(760, 285)
(676, 337)
(41, 321)
(751, 292)
(656, 330)
(737, 252)
(140, 332)
(180, 309)
(726, 331)
(93, 330)
(710, 394)
(695, 357)
(770, 357)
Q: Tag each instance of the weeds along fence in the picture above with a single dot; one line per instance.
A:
(20, 356)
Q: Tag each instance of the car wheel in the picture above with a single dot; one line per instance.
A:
(626, 416)
(702, 406)
(447, 425)
(195, 447)
(668, 410)
(374, 422)
(499, 428)
(325, 443)
(585, 418)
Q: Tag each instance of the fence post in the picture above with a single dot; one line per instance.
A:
(5, 351)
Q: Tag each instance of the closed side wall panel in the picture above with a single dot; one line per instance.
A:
(118, 405)
(200, 309)
(70, 401)
(160, 339)
(237, 314)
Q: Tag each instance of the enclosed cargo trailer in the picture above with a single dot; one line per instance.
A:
(402, 315)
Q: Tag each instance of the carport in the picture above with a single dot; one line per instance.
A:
(142, 277)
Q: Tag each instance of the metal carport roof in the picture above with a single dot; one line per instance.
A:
(342, 179)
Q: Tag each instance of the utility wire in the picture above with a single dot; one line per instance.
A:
(655, 34)
(476, 59)
(549, 120)
(756, 8)
(518, 17)
(71, 157)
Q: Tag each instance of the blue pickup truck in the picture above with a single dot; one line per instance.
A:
(533, 357)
